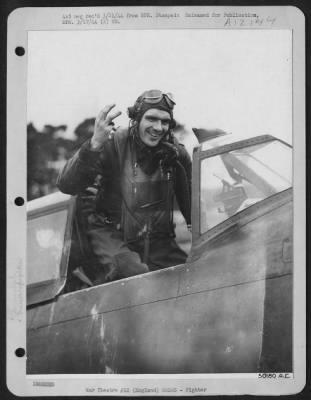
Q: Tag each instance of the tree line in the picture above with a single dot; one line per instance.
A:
(47, 152)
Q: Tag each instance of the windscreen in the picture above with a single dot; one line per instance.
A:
(45, 243)
(233, 181)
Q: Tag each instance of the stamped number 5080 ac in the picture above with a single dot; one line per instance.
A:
(274, 375)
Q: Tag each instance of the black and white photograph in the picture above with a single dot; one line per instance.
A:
(161, 247)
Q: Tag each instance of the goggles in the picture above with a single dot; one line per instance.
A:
(155, 96)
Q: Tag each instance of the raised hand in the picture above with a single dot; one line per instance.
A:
(104, 125)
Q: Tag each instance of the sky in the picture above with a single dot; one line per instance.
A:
(236, 80)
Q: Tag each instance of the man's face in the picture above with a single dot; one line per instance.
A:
(153, 126)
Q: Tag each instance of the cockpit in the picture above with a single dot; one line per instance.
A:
(229, 178)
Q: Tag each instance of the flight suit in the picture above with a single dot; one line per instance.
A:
(131, 230)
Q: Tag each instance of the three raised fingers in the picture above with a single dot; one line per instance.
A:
(105, 111)
(104, 117)
(111, 117)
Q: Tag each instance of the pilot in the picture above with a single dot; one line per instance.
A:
(141, 170)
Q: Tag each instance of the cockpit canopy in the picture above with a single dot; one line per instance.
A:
(234, 176)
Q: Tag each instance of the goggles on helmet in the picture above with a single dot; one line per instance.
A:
(155, 96)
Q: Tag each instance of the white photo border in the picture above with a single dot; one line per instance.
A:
(20, 22)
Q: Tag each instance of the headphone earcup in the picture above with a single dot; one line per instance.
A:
(173, 124)
(131, 112)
